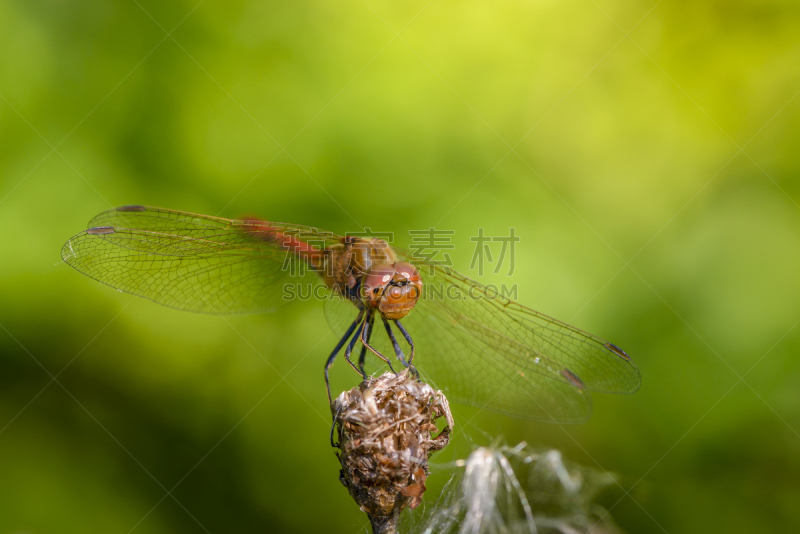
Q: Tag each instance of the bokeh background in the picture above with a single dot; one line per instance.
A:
(645, 152)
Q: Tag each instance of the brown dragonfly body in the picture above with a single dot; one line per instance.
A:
(364, 271)
(480, 347)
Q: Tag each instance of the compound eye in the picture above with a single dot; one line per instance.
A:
(378, 277)
(408, 271)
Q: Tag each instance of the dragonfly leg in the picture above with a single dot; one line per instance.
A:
(411, 343)
(397, 350)
(339, 346)
(349, 349)
(363, 356)
(376, 353)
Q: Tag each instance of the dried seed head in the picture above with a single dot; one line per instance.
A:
(521, 491)
(387, 430)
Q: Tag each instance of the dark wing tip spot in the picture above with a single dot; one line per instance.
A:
(100, 230)
(618, 351)
(131, 207)
(573, 378)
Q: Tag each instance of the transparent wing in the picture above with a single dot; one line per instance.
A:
(195, 262)
(189, 224)
(486, 350)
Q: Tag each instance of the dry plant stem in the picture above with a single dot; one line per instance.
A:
(386, 431)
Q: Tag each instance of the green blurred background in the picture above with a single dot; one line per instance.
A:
(660, 134)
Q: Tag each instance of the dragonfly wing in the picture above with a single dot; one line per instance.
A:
(195, 225)
(493, 352)
(151, 218)
(602, 366)
(468, 367)
(491, 373)
(190, 262)
(339, 313)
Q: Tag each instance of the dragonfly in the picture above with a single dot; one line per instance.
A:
(479, 347)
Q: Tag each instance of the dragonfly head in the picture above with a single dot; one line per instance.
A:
(392, 289)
